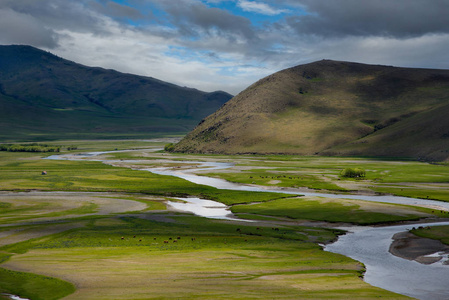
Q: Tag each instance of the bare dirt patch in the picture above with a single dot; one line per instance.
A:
(412, 247)
(274, 181)
(42, 203)
(20, 235)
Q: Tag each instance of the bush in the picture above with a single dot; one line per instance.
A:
(169, 147)
(353, 173)
(29, 148)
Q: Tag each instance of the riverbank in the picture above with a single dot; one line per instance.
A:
(423, 250)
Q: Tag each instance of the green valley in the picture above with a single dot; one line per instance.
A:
(104, 231)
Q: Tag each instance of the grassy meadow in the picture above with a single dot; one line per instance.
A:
(440, 233)
(189, 257)
(89, 230)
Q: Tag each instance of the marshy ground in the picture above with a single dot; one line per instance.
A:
(103, 231)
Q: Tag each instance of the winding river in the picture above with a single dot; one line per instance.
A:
(368, 245)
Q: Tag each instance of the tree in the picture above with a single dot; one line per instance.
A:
(353, 173)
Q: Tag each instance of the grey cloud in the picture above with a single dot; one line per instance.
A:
(96, 32)
(394, 18)
(58, 14)
(18, 28)
(193, 18)
(117, 10)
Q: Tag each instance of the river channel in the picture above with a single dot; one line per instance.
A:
(368, 245)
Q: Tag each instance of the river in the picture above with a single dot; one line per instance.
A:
(205, 208)
(368, 245)
(189, 174)
(14, 297)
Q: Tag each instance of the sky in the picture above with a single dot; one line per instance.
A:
(229, 44)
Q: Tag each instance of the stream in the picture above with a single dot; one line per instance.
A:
(368, 245)
(205, 208)
(14, 297)
(190, 175)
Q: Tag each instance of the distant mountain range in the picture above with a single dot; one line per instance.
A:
(43, 96)
(333, 108)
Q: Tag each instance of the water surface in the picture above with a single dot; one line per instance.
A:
(370, 246)
(204, 208)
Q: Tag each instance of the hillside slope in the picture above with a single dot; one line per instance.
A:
(42, 95)
(333, 108)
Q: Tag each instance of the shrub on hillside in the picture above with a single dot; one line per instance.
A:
(169, 147)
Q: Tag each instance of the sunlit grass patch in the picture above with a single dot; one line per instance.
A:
(199, 232)
(194, 256)
(90, 176)
(440, 233)
(222, 273)
(33, 286)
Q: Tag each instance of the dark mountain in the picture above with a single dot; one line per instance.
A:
(43, 96)
(333, 108)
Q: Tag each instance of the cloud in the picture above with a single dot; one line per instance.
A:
(416, 52)
(399, 18)
(210, 44)
(20, 28)
(194, 19)
(151, 57)
(260, 8)
(117, 11)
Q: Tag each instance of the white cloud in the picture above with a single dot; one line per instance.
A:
(428, 51)
(139, 52)
(260, 8)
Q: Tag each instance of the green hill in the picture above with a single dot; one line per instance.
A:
(43, 96)
(333, 108)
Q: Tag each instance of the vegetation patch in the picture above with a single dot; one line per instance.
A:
(353, 173)
(430, 193)
(440, 233)
(324, 209)
(140, 257)
(33, 286)
(34, 147)
(279, 177)
(169, 147)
